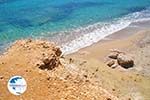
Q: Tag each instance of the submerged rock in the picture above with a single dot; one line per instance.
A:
(125, 61)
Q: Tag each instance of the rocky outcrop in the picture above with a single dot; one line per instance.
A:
(119, 58)
(50, 62)
(42, 54)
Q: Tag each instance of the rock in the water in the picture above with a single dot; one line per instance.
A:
(110, 63)
(125, 61)
(113, 55)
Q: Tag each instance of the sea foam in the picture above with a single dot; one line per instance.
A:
(102, 30)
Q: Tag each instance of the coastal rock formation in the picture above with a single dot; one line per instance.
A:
(66, 80)
(125, 61)
(117, 57)
(45, 54)
(50, 62)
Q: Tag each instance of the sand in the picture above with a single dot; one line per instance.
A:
(83, 75)
(128, 83)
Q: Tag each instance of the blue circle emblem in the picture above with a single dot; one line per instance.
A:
(17, 85)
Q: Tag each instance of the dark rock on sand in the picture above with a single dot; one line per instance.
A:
(1, 77)
(50, 62)
(110, 63)
(125, 61)
(113, 55)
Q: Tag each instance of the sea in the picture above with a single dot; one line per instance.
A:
(72, 24)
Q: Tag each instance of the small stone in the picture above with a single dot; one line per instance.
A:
(29, 40)
(113, 55)
(110, 63)
(87, 81)
(1, 77)
(113, 89)
(114, 65)
(26, 70)
(3, 63)
(71, 60)
(48, 78)
(108, 99)
(129, 98)
(96, 70)
(85, 76)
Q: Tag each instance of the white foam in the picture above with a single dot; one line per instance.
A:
(107, 28)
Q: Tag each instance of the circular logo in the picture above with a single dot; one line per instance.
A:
(17, 85)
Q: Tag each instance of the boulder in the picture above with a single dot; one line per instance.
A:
(125, 61)
(50, 62)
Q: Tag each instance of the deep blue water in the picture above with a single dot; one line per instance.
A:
(46, 18)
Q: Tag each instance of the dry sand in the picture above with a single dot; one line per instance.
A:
(130, 83)
(82, 75)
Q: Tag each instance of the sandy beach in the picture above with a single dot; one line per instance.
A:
(83, 75)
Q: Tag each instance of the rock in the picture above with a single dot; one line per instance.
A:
(125, 61)
(113, 55)
(108, 99)
(51, 59)
(71, 60)
(114, 65)
(110, 63)
(50, 62)
(1, 77)
(57, 51)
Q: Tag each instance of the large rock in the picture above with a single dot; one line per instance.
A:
(125, 61)
(50, 62)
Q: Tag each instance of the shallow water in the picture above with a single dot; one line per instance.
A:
(68, 20)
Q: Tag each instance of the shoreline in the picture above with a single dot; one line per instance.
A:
(85, 71)
(125, 33)
(138, 76)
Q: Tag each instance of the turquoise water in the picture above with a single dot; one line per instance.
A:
(54, 19)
